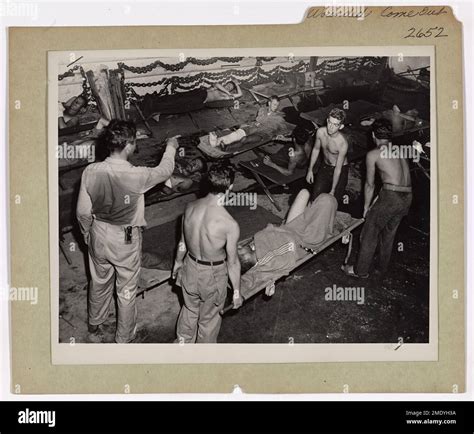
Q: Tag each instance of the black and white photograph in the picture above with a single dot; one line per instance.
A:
(277, 201)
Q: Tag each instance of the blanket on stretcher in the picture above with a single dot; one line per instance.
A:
(279, 248)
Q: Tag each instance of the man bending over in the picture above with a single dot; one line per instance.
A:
(332, 176)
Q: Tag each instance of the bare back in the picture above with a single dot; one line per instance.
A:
(332, 146)
(205, 228)
(393, 170)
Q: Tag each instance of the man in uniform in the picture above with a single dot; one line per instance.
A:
(206, 258)
(111, 215)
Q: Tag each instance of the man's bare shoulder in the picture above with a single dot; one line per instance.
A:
(191, 207)
(322, 132)
(231, 226)
(226, 217)
(373, 155)
(225, 220)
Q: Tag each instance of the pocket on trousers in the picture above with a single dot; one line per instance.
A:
(96, 244)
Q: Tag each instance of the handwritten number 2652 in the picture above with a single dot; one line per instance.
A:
(436, 32)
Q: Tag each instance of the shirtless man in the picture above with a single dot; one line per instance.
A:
(219, 92)
(332, 176)
(154, 106)
(387, 211)
(208, 239)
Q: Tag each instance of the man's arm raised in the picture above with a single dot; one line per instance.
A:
(233, 262)
(162, 172)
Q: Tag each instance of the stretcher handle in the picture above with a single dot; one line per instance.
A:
(226, 309)
(230, 306)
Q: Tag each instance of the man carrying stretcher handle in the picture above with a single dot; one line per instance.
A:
(384, 215)
(205, 259)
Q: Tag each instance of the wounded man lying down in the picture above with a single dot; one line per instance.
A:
(269, 120)
(276, 249)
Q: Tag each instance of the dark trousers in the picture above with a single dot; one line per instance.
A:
(323, 181)
(380, 227)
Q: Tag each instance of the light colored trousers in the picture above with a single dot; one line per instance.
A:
(113, 263)
(204, 292)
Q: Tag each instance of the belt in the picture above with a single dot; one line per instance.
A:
(400, 188)
(210, 263)
(334, 167)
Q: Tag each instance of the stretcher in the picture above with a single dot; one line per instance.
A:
(260, 171)
(344, 225)
(151, 278)
(285, 90)
(247, 144)
(356, 111)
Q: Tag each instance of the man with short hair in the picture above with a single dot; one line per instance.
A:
(393, 203)
(111, 215)
(298, 153)
(332, 175)
(70, 110)
(205, 259)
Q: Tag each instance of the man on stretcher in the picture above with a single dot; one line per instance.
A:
(217, 95)
(276, 249)
(268, 121)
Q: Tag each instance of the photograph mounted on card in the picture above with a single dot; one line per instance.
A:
(276, 207)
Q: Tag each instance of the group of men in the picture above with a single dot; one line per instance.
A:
(110, 211)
